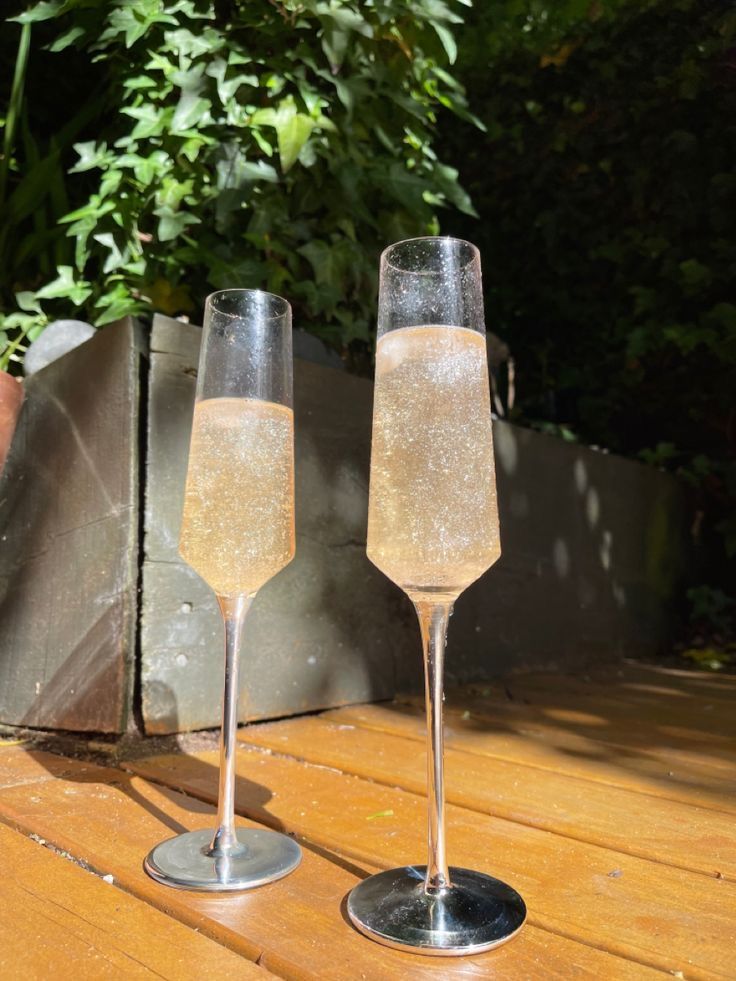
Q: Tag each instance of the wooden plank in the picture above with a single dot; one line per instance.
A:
(626, 730)
(295, 927)
(699, 722)
(554, 749)
(639, 676)
(308, 644)
(69, 530)
(651, 913)
(20, 764)
(60, 921)
(668, 704)
(676, 834)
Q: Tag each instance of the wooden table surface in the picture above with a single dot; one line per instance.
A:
(607, 801)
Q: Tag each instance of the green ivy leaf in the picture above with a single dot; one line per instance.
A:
(67, 39)
(28, 302)
(293, 129)
(66, 287)
(134, 21)
(117, 302)
(116, 257)
(447, 178)
(91, 155)
(323, 261)
(45, 10)
(191, 110)
(172, 223)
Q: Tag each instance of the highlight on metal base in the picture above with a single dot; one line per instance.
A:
(473, 914)
(190, 861)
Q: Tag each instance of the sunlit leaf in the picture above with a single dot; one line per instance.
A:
(65, 286)
(448, 42)
(293, 129)
(172, 223)
(45, 10)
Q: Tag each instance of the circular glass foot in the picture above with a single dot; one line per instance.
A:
(183, 861)
(476, 913)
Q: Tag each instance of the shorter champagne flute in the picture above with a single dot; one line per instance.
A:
(237, 532)
(433, 529)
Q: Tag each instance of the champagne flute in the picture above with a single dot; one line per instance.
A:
(237, 532)
(433, 529)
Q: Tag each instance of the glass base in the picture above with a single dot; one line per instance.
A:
(183, 862)
(476, 913)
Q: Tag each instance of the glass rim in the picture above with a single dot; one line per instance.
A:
(210, 304)
(385, 255)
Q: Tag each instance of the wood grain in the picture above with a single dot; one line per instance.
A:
(296, 927)
(660, 703)
(640, 676)
(630, 730)
(689, 779)
(60, 921)
(648, 912)
(633, 823)
(20, 764)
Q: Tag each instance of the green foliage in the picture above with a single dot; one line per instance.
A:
(709, 658)
(711, 607)
(21, 323)
(276, 145)
(606, 191)
(33, 194)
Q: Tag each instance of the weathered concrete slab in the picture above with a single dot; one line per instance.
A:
(69, 541)
(593, 550)
(329, 629)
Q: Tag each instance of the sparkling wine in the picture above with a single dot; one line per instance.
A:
(238, 524)
(432, 519)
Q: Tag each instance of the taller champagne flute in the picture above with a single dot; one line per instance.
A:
(237, 532)
(433, 529)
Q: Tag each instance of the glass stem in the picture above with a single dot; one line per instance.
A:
(225, 841)
(433, 620)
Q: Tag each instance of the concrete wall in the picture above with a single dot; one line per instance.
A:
(593, 552)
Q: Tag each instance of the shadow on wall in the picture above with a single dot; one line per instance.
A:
(594, 551)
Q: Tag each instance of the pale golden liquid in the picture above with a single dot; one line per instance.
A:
(238, 524)
(432, 517)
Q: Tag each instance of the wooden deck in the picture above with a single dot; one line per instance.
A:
(609, 802)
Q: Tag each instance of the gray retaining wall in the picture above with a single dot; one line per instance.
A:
(594, 555)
